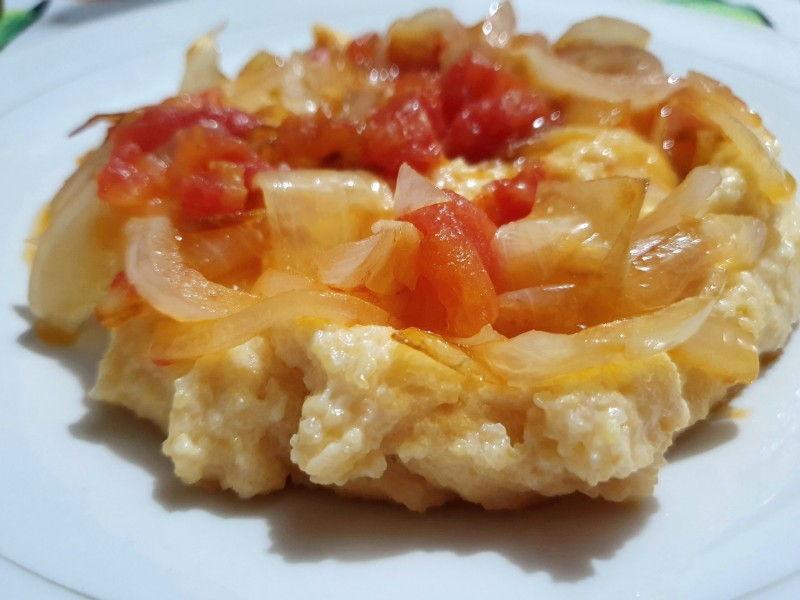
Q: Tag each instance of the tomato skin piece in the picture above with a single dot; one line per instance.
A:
(506, 200)
(453, 256)
(403, 131)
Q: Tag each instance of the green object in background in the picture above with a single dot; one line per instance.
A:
(14, 22)
(720, 7)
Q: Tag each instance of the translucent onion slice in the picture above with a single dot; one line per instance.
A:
(414, 191)
(673, 264)
(257, 86)
(604, 31)
(202, 71)
(687, 201)
(614, 60)
(560, 77)
(714, 102)
(419, 39)
(452, 353)
(458, 40)
(275, 87)
(487, 334)
(183, 341)
(723, 97)
(120, 304)
(721, 348)
(531, 251)
(78, 254)
(218, 251)
(385, 262)
(554, 308)
(310, 211)
(537, 356)
(272, 282)
(499, 27)
(81, 184)
(569, 233)
(155, 267)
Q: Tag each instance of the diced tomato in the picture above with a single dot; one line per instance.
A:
(488, 109)
(187, 160)
(424, 309)
(455, 263)
(129, 176)
(467, 81)
(427, 86)
(207, 174)
(403, 131)
(198, 146)
(506, 200)
(487, 127)
(158, 124)
(219, 190)
(478, 227)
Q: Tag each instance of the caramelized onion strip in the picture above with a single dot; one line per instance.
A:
(561, 77)
(181, 341)
(154, 265)
(604, 31)
(537, 357)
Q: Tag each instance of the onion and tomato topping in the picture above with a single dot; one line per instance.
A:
(302, 188)
(188, 161)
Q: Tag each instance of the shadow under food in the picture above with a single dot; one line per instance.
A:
(702, 437)
(561, 537)
(133, 439)
(80, 358)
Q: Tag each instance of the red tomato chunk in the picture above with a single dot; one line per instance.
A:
(157, 124)
(403, 131)
(506, 200)
(456, 262)
(190, 160)
(488, 110)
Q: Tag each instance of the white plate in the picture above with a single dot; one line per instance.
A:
(89, 506)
